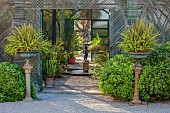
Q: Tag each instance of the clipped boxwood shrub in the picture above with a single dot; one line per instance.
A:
(154, 82)
(12, 83)
(116, 78)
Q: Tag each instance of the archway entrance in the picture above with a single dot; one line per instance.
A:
(109, 27)
(89, 24)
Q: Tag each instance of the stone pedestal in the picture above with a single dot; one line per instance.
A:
(137, 68)
(28, 69)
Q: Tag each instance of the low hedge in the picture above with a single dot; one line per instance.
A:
(117, 77)
(12, 83)
(154, 82)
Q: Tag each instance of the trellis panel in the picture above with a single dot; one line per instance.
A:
(33, 18)
(157, 11)
(117, 25)
(5, 25)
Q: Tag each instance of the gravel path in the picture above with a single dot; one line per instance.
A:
(79, 103)
(76, 82)
(52, 101)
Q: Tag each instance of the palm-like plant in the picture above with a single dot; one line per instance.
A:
(140, 37)
(49, 68)
(24, 38)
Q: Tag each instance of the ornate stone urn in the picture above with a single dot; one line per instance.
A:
(137, 68)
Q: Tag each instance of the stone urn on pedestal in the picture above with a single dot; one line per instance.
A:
(138, 40)
(137, 69)
(24, 42)
(28, 67)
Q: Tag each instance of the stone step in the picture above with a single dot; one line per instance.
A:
(77, 72)
(58, 91)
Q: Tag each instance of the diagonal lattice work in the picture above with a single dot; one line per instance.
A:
(74, 4)
(118, 24)
(6, 19)
(157, 11)
(5, 25)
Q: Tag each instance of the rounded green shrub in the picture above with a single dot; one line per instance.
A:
(116, 78)
(154, 82)
(12, 83)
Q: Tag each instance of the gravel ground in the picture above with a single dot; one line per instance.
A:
(79, 103)
(76, 83)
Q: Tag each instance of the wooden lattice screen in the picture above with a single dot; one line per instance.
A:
(5, 25)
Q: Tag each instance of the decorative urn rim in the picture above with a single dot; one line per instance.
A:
(27, 54)
(139, 55)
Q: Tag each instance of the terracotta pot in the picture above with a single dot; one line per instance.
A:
(72, 60)
(48, 82)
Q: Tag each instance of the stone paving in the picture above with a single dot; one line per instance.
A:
(74, 84)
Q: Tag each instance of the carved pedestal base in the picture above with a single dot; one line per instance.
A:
(28, 69)
(137, 68)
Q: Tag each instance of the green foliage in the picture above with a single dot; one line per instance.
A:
(100, 54)
(56, 52)
(99, 48)
(154, 82)
(160, 53)
(75, 45)
(48, 21)
(25, 38)
(12, 83)
(49, 68)
(96, 43)
(139, 37)
(116, 77)
(78, 41)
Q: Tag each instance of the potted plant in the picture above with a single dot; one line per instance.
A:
(56, 52)
(25, 41)
(49, 71)
(72, 58)
(74, 47)
(138, 40)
